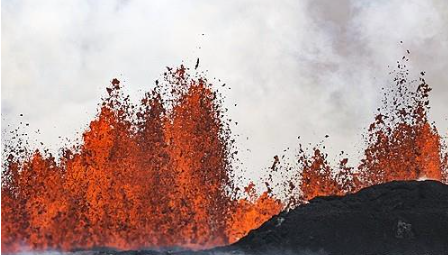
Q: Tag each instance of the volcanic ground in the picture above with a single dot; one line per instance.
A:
(400, 217)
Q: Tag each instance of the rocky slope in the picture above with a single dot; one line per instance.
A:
(392, 218)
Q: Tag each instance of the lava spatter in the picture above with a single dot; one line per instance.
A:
(401, 144)
(156, 174)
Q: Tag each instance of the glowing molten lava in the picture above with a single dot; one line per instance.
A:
(144, 176)
(401, 145)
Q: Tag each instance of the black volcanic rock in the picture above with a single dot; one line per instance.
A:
(393, 218)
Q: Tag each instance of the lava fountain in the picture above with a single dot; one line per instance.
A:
(152, 175)
(400, 144)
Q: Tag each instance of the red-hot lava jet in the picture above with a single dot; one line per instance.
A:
(156, 174)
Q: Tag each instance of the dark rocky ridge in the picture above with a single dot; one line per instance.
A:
(394, 218)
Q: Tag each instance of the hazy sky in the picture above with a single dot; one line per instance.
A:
(295, 68)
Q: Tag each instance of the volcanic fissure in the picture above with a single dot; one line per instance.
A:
(160, 173)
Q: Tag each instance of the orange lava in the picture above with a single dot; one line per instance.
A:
(152, 175)
(318, 178)
(251, 212)
(401, 144)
